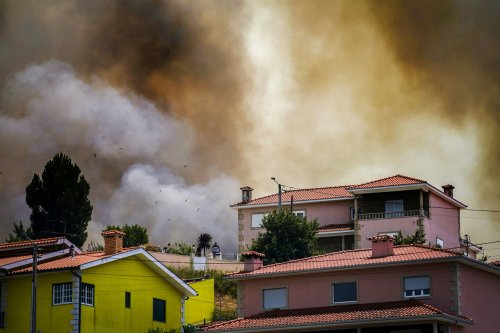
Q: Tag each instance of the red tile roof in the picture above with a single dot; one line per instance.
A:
(309, 194)
(337, 316)
(28, 243)
(495, 263)
(336, 227)
(353, 258)
(253, 254)
(64, 263)
(10, 260)
(397, 180)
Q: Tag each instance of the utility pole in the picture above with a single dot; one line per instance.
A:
(279, 191)
(33, 289)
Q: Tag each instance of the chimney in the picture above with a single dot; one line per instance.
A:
(448, 190)
(246, 194)
(252, 260)
(113, 241)
(382, 246)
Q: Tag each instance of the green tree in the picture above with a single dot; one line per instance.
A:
(59, 201)
(135, 235)
(417, 238)
(19, 233)
(287, 237)
(204, 242)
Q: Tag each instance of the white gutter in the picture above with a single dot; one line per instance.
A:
(334, 233)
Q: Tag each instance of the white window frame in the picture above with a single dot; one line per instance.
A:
(281, 292)
(344, 302)
(87, 293)
(255, 219)
(62, 293)
(297, 212)
(418, 292)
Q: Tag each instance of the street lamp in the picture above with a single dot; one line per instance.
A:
(279, 191)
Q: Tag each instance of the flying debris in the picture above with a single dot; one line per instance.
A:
(95, 156)
(185, 165)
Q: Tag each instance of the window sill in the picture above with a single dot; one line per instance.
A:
(344, 303)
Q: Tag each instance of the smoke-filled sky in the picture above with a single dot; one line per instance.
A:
(168, 107)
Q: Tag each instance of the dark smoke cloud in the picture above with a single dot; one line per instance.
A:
(451, 48)
(153, 85)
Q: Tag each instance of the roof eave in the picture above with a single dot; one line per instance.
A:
(151, 262)
(250, 276)
(285, 203)
(347, 324)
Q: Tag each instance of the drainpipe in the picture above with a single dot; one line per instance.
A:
(79, 301)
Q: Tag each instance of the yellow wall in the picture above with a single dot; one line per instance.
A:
(108, 315)
(17, 306)
(201, 307)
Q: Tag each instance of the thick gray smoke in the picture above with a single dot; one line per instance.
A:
(47, 108)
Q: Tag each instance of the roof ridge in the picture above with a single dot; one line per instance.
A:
(393, 176)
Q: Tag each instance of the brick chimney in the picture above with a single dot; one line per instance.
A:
(246, 194)
(382, 246)
(113, 241)
(448, 190)
(252, 260)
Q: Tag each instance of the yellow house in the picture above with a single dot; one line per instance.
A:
(200, 308)
(112, 291)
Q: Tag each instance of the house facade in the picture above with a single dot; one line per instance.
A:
(386, 289)
(349, 215)
(118, 290)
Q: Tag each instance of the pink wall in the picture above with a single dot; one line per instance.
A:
(369, 228)
(374, 285)
(480, 299)
(444, 223)
(333, 212)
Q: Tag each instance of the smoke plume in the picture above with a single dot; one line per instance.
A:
(177, 99)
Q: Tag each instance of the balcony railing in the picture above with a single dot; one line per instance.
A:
(391, 215)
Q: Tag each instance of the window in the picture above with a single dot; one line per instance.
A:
(351, 212)
(159, 310)
(87, 294)
(345, 292)
(257, 220)
(62, 293)
(394, 208)
(417, 286)
(299, 213)
(275, 298)
(127, 299)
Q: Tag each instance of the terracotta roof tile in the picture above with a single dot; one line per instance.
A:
(335, 316)
(495, 263)
(330, 193)
(336, 227)
(320, 193)
(253, 253)
(397, 180)
(64, 263)
(10, 260)
(27, 243)
(353, 258)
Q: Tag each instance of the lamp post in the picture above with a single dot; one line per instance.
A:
(279, 191)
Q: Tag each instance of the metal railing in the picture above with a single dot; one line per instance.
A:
(391, 215)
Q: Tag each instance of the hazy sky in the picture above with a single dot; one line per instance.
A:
(183, 102)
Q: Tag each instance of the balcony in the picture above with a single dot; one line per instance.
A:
(391, 215)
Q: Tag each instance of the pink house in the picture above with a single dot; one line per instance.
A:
(385, 289)
(349, 215)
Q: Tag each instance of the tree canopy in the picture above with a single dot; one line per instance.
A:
(59, 201)
(204, 242)
(287, 237)
(19, 233)
(135, 235)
